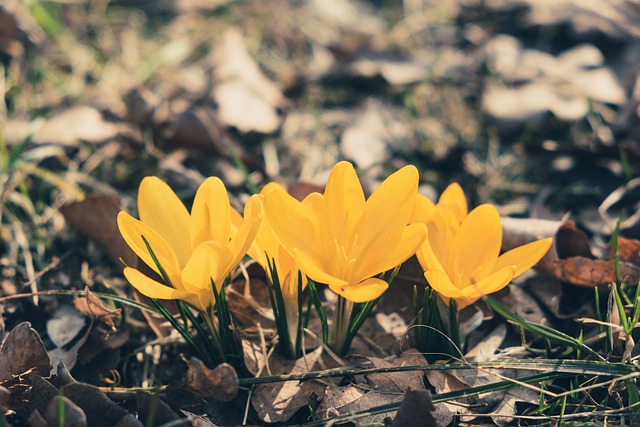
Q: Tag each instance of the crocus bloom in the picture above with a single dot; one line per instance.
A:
(341, 239)
(461, 256)
(268, 245)
(193, 250)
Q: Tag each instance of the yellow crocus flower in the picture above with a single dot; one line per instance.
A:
(192, 249)
(341, 239)
(267, 244)
(461, 255)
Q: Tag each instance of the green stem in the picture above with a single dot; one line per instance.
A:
(340, 327)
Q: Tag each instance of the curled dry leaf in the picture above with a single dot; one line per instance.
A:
(70, 414)
(95, 216)
(578, 266)
(220, 383)
(92, 306)
(22, 352)
(571, 257)
(99, 409)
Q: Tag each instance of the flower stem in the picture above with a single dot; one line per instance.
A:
(214, 327)
(340, 327)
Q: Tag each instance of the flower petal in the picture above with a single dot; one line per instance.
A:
(315, 202)
(132, 231)
(427, 256)
(207, 263)
(385, 255)
(390, 205)
(365, 291)
(344, 205)
(246, 234)
(162, 210)
(296, 225)
(423, 210)
(475, 248)
(316, 271)
(211, 213)
(486, 286)
(442, 284)
(152, 289)
(524, 257)
(454, 200)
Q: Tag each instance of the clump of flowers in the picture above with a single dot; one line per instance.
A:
(286, 283)
(346, 241)
(191, 253)
(461, 255)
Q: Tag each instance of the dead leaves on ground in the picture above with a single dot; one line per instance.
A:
(571, 257)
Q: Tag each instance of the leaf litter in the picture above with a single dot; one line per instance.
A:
(532, 104)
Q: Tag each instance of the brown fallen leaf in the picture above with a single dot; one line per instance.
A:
(70, 414)
(220, 383)
(22, 352)
(152, 410)
(99, 409)
(373, 389)
(596, 272)
(95, 217)
(416, 410)
(92, 306)
(278, 402)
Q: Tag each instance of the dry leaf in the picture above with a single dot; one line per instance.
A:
(99, 409)
(563, 85)
(277, 402)
(246, 98)
(396, 71)
(383, 388)
(22, 352)
(152, 410)
(373, 130)
(92, 306)
(220, 383)
(78, 123)
(416, 410)
(95, 216)
(69, 414)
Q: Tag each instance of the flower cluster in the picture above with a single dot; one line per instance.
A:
(339, 238)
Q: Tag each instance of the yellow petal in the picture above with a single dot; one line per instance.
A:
(315, 270)
(244, 237)
(388, 254)
(475, 248)
(423, 210)
(426, 255)
(315, 203)
(132, 231)
(295, 224)
(344, 205)
(211, 213)
(524, 257)
(207, 263)
(390, 206)
(152, 289)
(442, 284)
(162, 210)
(365, 291)
(455, 201)
(486, 286)
(272, 186)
